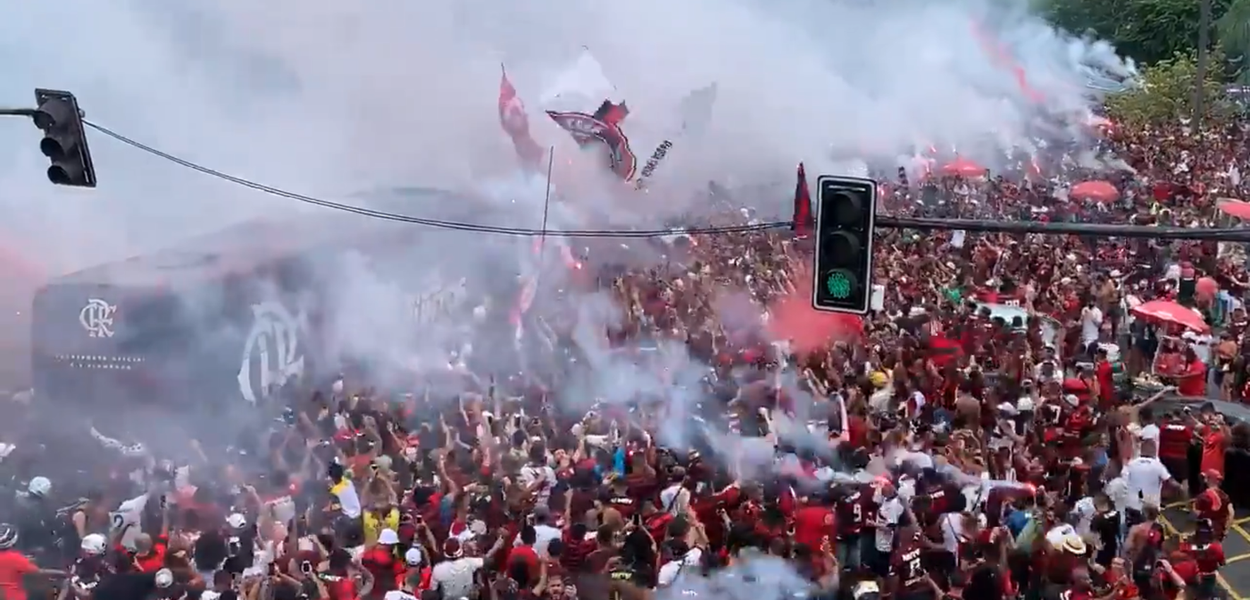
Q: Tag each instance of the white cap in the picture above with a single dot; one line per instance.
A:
(94, 544)
(413, 556)
(1024, 404)
(1072, 399)
(164, 578)
(388, 537)
(39, 486)
(236, 521)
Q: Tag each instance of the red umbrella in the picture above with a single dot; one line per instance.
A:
(963, 167)
(1234, 208)
(1166, 311)
(1095, 190)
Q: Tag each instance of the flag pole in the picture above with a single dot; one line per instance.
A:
(542, 239)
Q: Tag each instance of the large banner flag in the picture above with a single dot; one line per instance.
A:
(516, 124)
(583, 84)
(602, 127)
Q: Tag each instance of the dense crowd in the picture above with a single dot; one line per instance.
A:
(992, 429)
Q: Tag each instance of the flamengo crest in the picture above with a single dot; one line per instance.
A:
(273, 346)
(97, 318)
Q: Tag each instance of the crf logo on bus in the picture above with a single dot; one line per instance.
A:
(273, 343)
(97, 318)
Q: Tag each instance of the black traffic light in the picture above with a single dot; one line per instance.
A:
(846, 212)
(64, 139)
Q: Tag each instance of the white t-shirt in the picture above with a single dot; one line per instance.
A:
(671, 569)
(543, 534)
(128, 516)
(1201, 345)
(1091, 320)
(888, 514)
(1145, 476)
(398, 595)
(1084, 510)
(674, 498)
(952, 532)
(455, 576)
(531, 473)
(1117, 491)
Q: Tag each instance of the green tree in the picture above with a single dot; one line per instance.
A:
(1233, 31)
(1167, 90)
(1146, 30)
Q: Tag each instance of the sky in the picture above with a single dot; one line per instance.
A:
(332, 98)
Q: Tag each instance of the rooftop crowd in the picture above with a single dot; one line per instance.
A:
(992, 429)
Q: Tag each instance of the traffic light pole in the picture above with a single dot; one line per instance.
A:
(1052, 228)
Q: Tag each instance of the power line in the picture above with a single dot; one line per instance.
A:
(882, 221)
(441, 224)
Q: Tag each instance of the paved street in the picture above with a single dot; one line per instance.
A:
(1234, 578)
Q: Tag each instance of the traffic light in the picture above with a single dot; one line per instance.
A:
(64, 140)
(845, 216)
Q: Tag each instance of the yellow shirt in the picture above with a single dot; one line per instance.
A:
(374, 525)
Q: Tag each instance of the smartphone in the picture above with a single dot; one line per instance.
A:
(164, 502)
(305, 567)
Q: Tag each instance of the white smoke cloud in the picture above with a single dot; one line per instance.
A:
(330, 98)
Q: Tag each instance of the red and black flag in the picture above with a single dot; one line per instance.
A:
(803, 219)
(515, 122)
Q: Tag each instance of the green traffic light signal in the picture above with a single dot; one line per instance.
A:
(839, 284)
(842, 272)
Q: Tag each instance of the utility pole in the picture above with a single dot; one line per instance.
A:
(1204, 40)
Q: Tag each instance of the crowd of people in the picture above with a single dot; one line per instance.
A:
(992, 429)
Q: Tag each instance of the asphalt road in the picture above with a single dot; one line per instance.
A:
(1234, 578)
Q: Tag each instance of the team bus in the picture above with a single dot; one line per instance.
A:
(230, 317)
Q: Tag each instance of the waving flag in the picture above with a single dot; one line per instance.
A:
(583, 84)
(602, 127)
(516, 124)
(803, 220)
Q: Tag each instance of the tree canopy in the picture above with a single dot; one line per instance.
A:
(1151, 31)
(1167, 90)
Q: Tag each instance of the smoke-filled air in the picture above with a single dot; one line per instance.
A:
(225, 308)
(370, 103)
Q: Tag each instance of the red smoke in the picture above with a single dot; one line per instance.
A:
(792, 317)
